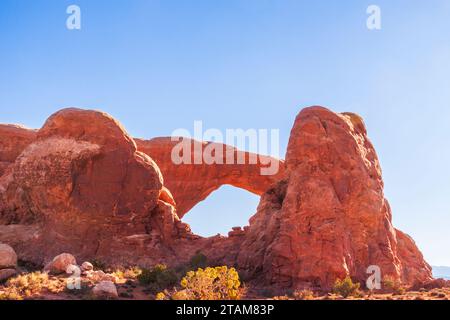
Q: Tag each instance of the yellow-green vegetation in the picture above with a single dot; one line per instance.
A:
(303, 295)
(160, 296)
(218, 283)
(158, 278)
(127, 273)
(392, 285)
(31, 284)
(346, 287)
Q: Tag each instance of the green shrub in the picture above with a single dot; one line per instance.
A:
(158, 278)
(346, 287)
(393, 285)
(199, 260)
(99, 265)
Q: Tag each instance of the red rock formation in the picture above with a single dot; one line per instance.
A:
(83, 186)
(86, 186)
(13, 140)
(329, 217)
(191, 183)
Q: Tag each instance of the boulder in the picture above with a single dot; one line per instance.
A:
(105, 290)
(60, 263)
(8, 257)
(87, 266)
(5, 274)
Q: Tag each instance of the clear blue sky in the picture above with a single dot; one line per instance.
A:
(159, 65)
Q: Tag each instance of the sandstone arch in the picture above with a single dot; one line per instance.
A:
(192, 183)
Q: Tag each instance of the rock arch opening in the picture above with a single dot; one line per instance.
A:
(222, 210)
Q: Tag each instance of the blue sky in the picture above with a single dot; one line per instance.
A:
(160, 65)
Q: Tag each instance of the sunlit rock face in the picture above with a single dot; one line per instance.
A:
(328, 218)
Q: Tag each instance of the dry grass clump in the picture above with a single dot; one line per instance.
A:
(130, 273)
(303, 295)
(31, 284)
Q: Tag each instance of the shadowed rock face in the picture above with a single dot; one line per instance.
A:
(191, 183)
(81, 185)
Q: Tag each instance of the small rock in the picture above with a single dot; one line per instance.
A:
(60, 263)
(87, 266)
(8, 257)
(105, 289)
(5, 274)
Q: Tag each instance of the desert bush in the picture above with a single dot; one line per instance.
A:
(392, 285)
(160, 296)
(199, 260)
(346, 287)
(99, 265)
(180, 295)
(303, 295)
(31, 284)
(127, 273)
(158, 278)
(219, 283)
